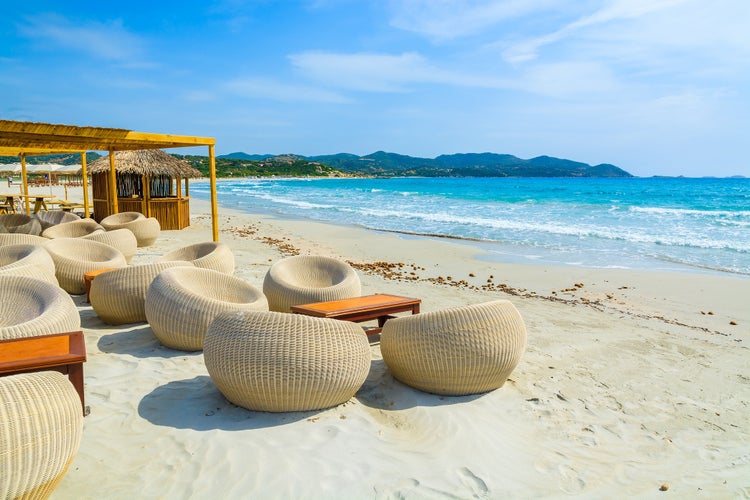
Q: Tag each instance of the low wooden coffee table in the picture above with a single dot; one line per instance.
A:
(358, 309)
(63, 352)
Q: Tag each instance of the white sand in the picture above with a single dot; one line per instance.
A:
(632, 381)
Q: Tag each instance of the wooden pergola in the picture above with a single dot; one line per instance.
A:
(24, 139)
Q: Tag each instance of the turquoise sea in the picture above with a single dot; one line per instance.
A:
(634, 223)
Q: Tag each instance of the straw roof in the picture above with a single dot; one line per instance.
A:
(145, 162)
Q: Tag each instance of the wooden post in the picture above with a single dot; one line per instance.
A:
(25, 183)
(214, 206)
(112, 183)
(85, 182)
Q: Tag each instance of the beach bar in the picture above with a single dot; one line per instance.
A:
(147, 181)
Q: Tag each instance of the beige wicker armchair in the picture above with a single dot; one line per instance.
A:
(208, 255)
(27, 260)
(306, 278)
(41, 424)
(17, 238)
(121, 239)
(20, 223)
(145, 229)
(74, 257)
(182, 301)
(271, 361)
(35, 307)
(458, 351)
(119, 296)
(49, 218)
(73, 229)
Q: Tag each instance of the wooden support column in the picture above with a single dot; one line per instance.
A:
(85, 181)
(112, 183)
(214, 206)
(25, 183)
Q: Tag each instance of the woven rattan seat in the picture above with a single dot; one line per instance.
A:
(208, 255)
(41, 424)
(49, 218)
(16, 238)
(119, 296)
(34, 307)
(307, 278)
(182, 301)
(74, 257)
(145, 229)
(270, 361)
(457, 351)
(20, 223)
(121, 239)
(73, 229)
(27, 260)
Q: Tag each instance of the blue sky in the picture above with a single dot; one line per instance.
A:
(657, 87)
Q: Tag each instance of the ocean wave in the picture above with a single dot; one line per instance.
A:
(688, 211)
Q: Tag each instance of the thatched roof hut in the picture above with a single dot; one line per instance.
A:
(147, 181)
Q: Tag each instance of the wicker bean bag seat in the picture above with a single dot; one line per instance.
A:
(34, 307)
(119, 296)
(307, 278)
(74, 229)
(74, 257)
(20, 223)
(27, 260)
(41, 424)
(270, 361)
(208, 255)
(49, 218)
(121, 239)
(182, 301)
(458, 351)
(145, 229)
(16, 238)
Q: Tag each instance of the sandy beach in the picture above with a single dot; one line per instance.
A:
(634, 383)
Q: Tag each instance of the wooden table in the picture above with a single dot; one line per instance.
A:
(9, 202)
(39, 203)
(358, 309)
(63, 352)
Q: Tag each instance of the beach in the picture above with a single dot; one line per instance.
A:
(634, 383)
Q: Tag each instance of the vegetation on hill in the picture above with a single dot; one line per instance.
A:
(282, 166)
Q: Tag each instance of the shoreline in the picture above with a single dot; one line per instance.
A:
(631, 380)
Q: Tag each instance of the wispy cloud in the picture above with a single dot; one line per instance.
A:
(264, 88)
(382, 72)
(103, 40)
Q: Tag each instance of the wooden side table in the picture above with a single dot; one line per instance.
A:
(63, 352)
(89, 276)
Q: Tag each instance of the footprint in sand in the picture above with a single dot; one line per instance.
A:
(475, 484)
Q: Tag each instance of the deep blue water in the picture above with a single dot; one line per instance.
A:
(646, 223)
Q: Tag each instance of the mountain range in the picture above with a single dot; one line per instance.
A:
(382, 163)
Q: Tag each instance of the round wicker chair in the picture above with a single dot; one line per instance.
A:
(27, 260)
(306, 278)
(34, 307)
(208, 255)
(17, 238)
(41, 424)
(73, 229)
(20, 223)
(49, 218)
(182, 301)
(270, 361)
(121, 239)
(145, 229)
(119, 297)
(74, 257)
(458, 351)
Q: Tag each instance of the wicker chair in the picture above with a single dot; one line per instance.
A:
(49, 218)
(305, 278)
(121, 239)
(35, 307)
(27, 260)
(145, 229)
(182, 301)
(17, 238)
(270, 361)
(74, 257)
(118, 297)
(74, 229)
(458, 351)
(208, 255)
(40, 432)
(20, 223)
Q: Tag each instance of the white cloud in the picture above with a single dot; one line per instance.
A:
(109, 41)
(263, 88)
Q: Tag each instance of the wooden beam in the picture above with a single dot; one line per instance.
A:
(214, 206)
(85, 181)
(112, 183)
